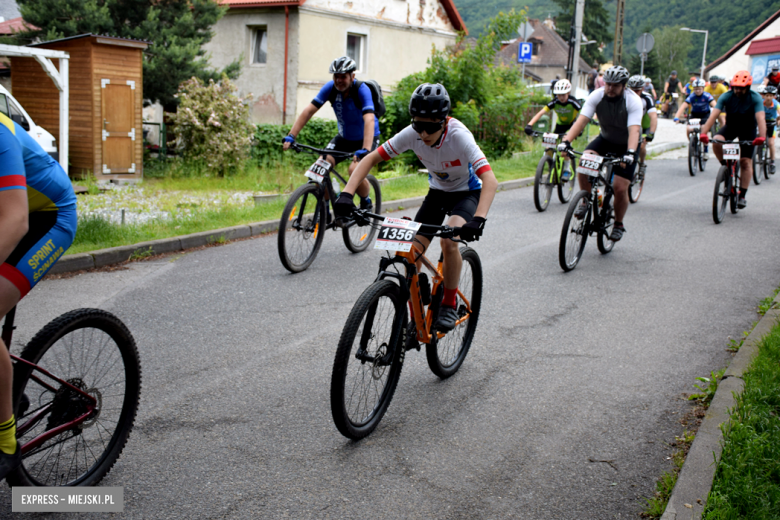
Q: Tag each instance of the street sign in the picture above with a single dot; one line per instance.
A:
(525, 30)
(524, 52)
(645, 43)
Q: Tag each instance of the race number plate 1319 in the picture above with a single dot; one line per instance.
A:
(318, 170)
(731, 151)
(590, 164)
(396, 234)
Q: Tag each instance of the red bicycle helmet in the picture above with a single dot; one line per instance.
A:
(742, 79)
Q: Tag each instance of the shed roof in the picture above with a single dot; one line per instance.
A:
(764, 46)
(102, 38)
(755, 32)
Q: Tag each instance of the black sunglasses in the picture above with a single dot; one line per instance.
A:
(427, 127)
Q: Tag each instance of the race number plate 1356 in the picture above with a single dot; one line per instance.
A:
(318, 170)
(731, 151)
(396, 234)
(590, 165)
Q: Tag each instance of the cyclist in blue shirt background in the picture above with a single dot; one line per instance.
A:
(354, 108)
(771, 106)
(701, 104)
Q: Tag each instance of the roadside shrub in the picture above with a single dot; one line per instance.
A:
(212, 125)
(267, 147)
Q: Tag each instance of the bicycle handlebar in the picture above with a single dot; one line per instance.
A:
(440, 231)
(541, 134)
(746, 143)
(611, 158)
(298, 147)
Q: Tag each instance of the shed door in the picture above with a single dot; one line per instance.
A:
(118, 107)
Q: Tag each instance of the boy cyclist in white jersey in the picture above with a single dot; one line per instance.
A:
(462, 184)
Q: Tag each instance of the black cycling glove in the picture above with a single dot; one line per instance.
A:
(473, 229)
(529, 130)
(344, 205)
(649, 137)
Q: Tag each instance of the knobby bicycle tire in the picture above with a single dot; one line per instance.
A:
(733, 199)
(721, 194)
(767, 174)
(358, 238)
(757, 164)
(446, 355)
(702, 156)
(353, 413)
(302, 228)
(543, 182)
(54, 349)
(570, 251)
(566, 189)
(692, 159)
(637, 184)
(606, 222)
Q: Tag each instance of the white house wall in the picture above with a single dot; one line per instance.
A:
(420, 13)
(740, 60)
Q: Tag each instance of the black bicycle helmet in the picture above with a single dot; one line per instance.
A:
(616, 74)
(636, 81)
(343, 65)
(430, 100)
(769, 89)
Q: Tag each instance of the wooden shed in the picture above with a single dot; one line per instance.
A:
(106, 99)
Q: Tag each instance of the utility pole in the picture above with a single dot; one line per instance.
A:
(617, 55)
(575, 41)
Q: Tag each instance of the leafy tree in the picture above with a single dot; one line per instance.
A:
(177, 29)
(597, 25)
(671, 48)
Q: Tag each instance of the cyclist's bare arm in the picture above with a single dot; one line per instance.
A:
(307, 114)
(653, 121)
(362, 170)
(538, 116)
(761, 120)
(489, 187)
(368, 131)
(577, 128)
(681, 110)
(634, 131)
(13, 220)
(711, 121)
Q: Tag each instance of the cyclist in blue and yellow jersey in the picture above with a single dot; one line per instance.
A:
(744, 112)
(649, 119)
(771, 106)
(688, 88)
(701, 104)
(567, 109)
(715, 87)
(38, 223)
(354, 108)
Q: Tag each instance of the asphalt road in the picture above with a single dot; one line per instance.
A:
(566, 370)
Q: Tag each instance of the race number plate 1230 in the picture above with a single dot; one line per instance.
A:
(590, 165)
(318, 170)
(549, 140)
(396, 234)
(731, 151)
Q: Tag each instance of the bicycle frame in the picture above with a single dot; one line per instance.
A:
(37, 416)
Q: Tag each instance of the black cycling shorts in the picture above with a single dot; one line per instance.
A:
(743, 133)
(340, 144)
(602, 147)
(704, 116)
(562, 129)
(438, 204)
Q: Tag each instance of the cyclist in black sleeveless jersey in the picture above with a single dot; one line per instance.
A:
(620, 117)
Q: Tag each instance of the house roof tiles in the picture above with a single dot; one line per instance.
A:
(764, 46)
(15, 25)
(553, 50)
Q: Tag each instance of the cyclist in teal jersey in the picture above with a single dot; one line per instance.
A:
(38, 219)
(771, 106)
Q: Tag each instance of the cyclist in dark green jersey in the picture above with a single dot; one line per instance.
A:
(566, 109)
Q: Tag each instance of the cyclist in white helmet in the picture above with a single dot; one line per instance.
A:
(566, 109)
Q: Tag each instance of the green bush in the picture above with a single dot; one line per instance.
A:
(267, 148)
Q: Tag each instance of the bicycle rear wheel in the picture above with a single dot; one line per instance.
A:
(368, 360)
(574, 234)
(566, 189)
(721, 194)
(693, 161)
(446, 355)
(606, 223)
(543, 182)
(302, 228)
(92, 350)
(358, 238)
(637, 184)
(766, 162)
(758, 164)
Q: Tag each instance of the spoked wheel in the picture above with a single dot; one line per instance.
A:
(543, 185)
(92, 350)
(566, 189)
(693, 160)
(607, 222)
(767, 171)
(574, 234)
(702, 156)
(358, 238)
(637, 184)
(368, 360)
(302, 228)
(758, 161)
(734, 192)
(445, 355)
(721, 195)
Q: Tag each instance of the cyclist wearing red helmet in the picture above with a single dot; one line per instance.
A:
(744, 110)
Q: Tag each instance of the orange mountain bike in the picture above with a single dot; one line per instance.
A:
(378, 332)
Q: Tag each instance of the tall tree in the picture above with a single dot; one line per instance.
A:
(597, 25)
(671, 48)
(177, 29)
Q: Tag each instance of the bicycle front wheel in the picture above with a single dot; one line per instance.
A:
(302, 228)
(358, 238)
(92, 350)
(721, 194)
(543, 182)
(445, 355)
(574, 234)
(766, 162)
(368, 360)
(757, 164)
(734, 191)
(566, 189)
(702, 155)
(607, 222)
(692, 159)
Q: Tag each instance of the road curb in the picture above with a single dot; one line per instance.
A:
(665, 147)
(117, 255)
(689, 497)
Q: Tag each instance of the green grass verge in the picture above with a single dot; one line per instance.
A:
(747, 479)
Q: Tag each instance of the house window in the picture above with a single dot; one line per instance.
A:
(535, 51)
(356, 45)
(260, 45)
